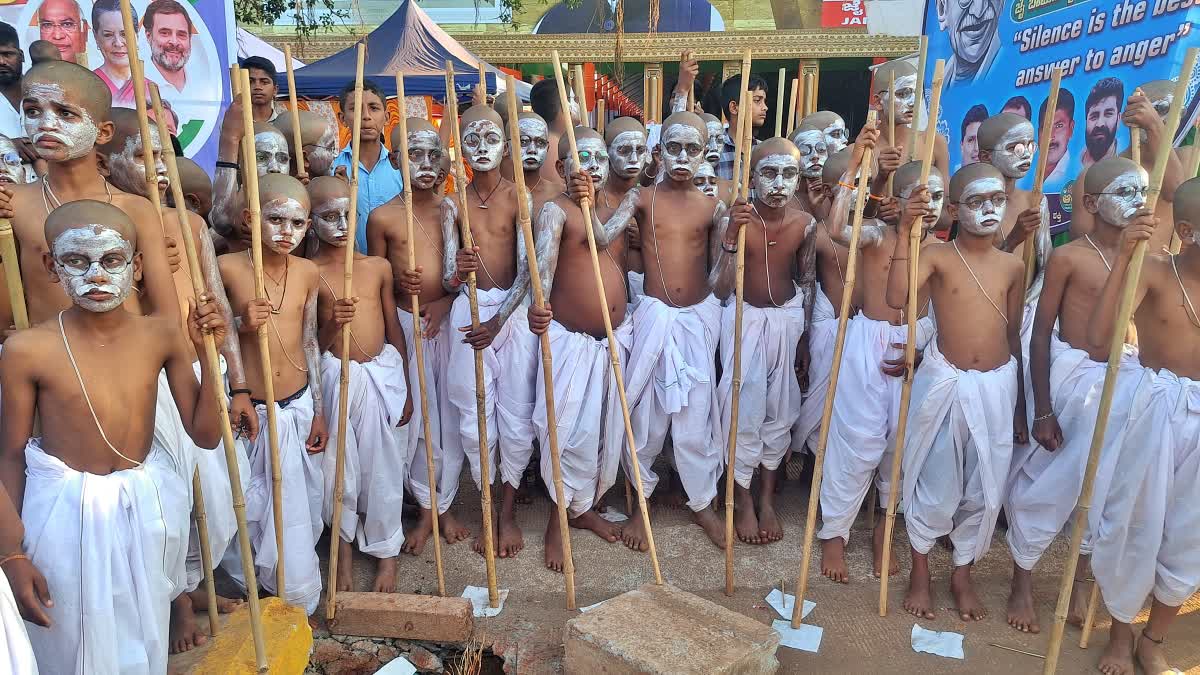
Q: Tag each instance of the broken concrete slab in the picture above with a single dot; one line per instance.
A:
(661, 629)
(399, 615)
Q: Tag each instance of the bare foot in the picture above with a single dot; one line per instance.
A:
(185, 634)
(1021, 614)
(634, 532)
(477, 543)
(345, 575)
(553, 543)
(919, 600)
(453, 531)
(1080, 591)
(415, 539)
(833, 560)
(768, 522)
(385, 575)
(877, 551)
(1151, 657)
(1117, 658)
(745, 522)
(510, 541)
(965, 599)
(224, 605)
(590, 520)
(712, 525)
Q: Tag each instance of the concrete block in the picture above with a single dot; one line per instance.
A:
(285, 631)
(663, 630)
(397, 615)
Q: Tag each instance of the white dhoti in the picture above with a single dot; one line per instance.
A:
(672, 386)
(866, 409)
(508, 380)
(587, 408)
(376, 450)
(109, 547)
(171, 436)
(770, 395)
(958, 446)
(636, 283)
(1146, 536)
(16, 655)
(822, 332)
(1045, 485)
(303, 494)
(447, 446)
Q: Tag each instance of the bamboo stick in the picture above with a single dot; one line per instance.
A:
(839, 343)
(910, 347)
(741, 172)
(235, 80)
(891, 138)
(658, 98)
(1039, 175)
(250, 177)
(297, 143)
(585, 207)
(791, 125)
(1124, 312)
(12, 275)
(418, 335)
(485, 483)
(691, 95)
(201, 517)
(539, 301)
(601, 112)
(212, 365)
(810, 94)
(922, 55)
(780, 90)
(339, 473)
(581, 96)
(483, 82)
(1090, 617)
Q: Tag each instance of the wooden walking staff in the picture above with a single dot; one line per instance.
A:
(339, 473)
(581, 96)
(250, 179)
(585, 206)
(12, 275)
(780, 90)
(539, 301)
(791, 125)
(483, 83)
(810, 94)
(691, 95)
(1039, 175)
(839, 343)
(1124, 312)
(922, 54)
(891, 137)
(485, 459)
(418, 335)
(741, 171)
(910, 347)
(297, 143)
(212, 364)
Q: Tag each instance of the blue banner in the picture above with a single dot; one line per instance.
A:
(1000, 56)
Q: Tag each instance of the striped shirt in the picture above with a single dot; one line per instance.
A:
(728, 152)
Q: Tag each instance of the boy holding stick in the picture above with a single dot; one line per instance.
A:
(959, 440)
(379, 401)
(318, 136)
(903, 104)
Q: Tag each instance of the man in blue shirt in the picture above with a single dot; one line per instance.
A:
(378, 180)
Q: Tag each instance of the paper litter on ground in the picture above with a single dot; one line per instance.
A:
(805, 638)
(614, 516)
(397, 666)
(478, 596)
(592, 606)
(785, 604)
(947, 644)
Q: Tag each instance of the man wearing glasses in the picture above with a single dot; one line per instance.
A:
(60, 22)
(971, 26)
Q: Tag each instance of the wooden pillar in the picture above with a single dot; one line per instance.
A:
(807, 100)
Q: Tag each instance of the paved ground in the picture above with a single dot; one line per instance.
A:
(856, 639)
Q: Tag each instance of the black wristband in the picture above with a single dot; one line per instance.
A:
(227, 165)
(235, 392)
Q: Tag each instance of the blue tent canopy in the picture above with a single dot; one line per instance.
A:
(408, 42)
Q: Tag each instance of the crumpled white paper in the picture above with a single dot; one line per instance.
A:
(947, 644)
(785, 604)
(479, 601)
(397, 666)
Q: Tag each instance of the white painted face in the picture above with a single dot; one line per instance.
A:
(271, 153)
(284, 222)
(628, 154)
(706, 179)
(814, 152)
(937, 197)
(128, 166)
(716, 142)
(12, 170)
(682, 151)
(483, 145)
(981, 205)
(1162, 106)
(424, 157)
(535, 141)
(836, 137)
(95, 266)
(1013, 155)
(906, 99)
(775, 179)
(60, 130)
(320, 156)
(1123, 198)
(331, 220)
(593, 160)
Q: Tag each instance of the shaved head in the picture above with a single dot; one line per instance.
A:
(883, 74)
(581, 133)
(281, 186)
(993, 128)
(87, 213)
(710, 118)
(836, 165)
(480, 112)
(415, 125)
(823, 118)
(690, 119)
(324, 188)
(196, 182)
(501, 107)
(621, 125)
(271, 153)
(909, 175)
(79, 84)
(126, 128)
(312, 127)
(774, 146)
(1102, 173)
(1187, 203)
(970, 173)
